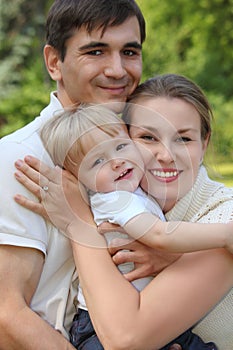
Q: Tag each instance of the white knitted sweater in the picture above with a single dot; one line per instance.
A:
(210, 201)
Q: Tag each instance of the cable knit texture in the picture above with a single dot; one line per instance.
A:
(210, 202)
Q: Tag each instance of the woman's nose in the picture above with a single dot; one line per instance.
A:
(164, 153)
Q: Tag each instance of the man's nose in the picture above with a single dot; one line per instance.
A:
(115, 67)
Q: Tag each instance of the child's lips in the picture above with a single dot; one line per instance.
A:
(125, 174)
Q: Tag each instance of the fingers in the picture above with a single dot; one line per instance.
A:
(175, 347)
(139, 272)
(38, 171)
(28, 183)
(33, 206)
(108, 227)
(117, 244)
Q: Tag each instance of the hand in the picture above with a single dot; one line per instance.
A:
(148, 261)
(63, 202)
(175, 347)
(36, 176)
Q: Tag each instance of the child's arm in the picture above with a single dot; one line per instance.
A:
(179, 236)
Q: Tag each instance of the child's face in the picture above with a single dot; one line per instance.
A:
(113, 163)
(168, 132)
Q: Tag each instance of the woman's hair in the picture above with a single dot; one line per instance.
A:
(174, 86)
(67, 137)
(65, 16)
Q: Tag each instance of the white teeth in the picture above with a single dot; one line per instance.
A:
(123, 174)
(164, 174)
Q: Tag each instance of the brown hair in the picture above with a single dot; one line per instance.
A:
(174, 86)
(65, 16)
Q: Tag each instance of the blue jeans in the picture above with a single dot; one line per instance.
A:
(83, 336)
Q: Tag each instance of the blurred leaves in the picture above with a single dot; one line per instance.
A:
(194, 38)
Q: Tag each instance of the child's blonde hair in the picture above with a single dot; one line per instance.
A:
(63, 138)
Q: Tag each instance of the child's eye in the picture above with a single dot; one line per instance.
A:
(121, 146)
(97, 162)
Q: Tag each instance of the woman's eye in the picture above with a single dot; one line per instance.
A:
(184, 139)
(148, 138)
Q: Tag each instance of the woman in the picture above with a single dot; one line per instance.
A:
(173, 136)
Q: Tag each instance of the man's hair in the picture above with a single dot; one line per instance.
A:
(65, 16)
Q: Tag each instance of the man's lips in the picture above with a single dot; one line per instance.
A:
(126, 174)
(114, 90)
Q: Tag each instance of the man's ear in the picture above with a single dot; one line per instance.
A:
(52, 62)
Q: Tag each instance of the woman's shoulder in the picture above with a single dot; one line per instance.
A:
(218, 207)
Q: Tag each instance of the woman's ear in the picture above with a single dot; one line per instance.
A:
(205, 144)
(52, 61)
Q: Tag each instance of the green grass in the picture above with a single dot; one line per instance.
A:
(224, 173)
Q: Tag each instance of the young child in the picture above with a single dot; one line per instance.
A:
(92, 142)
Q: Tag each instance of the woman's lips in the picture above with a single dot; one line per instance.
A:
(165, 175)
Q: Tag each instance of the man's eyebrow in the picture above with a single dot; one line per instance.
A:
(134, 44)
(93, 45)
(97, 44)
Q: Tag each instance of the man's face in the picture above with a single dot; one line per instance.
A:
(101, 69)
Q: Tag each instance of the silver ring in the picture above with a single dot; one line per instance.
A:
(45, 188)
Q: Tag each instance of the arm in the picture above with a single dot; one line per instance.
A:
(159, 313)
(180, 237)
(130, 211)
(147, 261)
(20, 327)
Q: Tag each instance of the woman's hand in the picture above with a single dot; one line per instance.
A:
(147, 261)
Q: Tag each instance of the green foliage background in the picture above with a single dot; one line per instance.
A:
(194, 38)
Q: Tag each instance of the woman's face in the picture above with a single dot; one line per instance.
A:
(168, 134)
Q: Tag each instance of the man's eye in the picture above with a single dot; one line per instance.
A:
(94, 52)
(129, 53)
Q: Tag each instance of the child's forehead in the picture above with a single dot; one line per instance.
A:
(98, 138)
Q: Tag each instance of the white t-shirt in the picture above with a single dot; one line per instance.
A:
(53, 299)
(119, 207)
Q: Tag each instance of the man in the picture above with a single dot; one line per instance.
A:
(93, 52)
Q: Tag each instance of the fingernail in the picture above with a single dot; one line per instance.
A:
(19, 163)
(28, 158)
(17, 197)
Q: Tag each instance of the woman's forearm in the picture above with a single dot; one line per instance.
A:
(126, 319)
